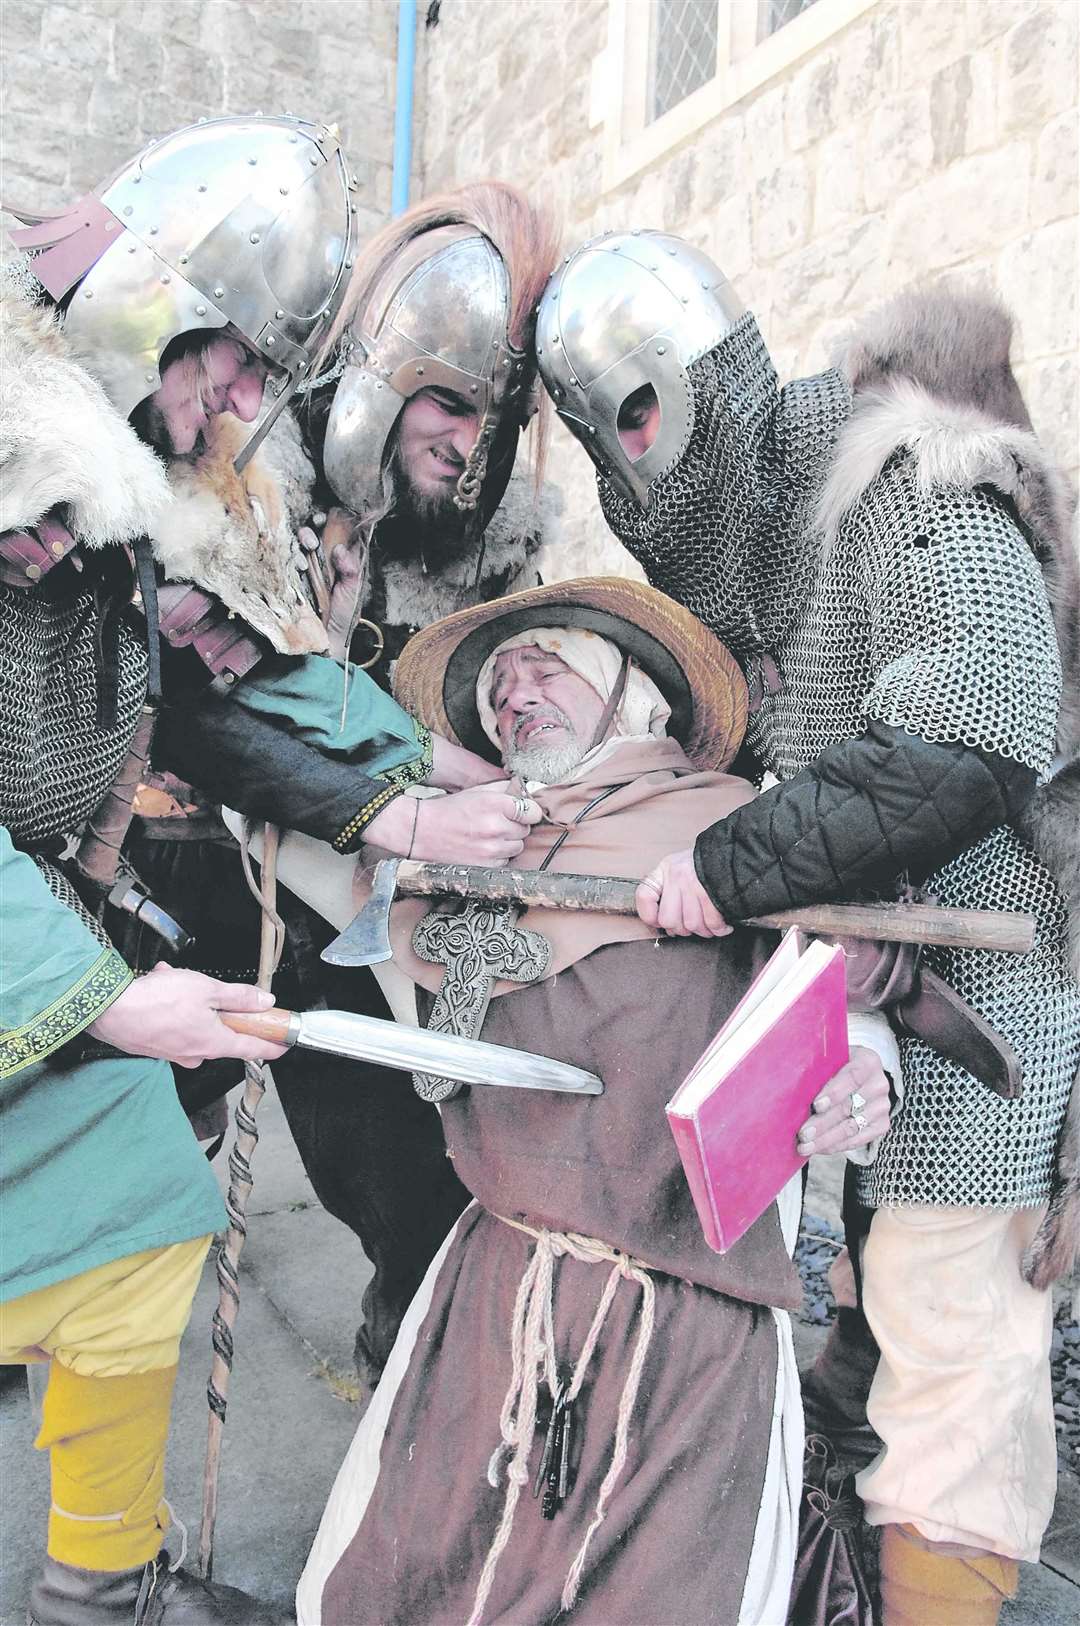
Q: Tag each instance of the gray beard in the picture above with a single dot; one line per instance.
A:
(547, 763)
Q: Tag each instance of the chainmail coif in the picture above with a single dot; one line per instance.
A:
(723, 530)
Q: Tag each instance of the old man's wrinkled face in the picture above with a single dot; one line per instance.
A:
(546, 714)
(200, 379)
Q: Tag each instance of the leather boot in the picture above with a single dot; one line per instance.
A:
(148, 1596)
(924, 1585)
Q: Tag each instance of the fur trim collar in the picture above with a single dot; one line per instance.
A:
(61, 439)
(930, 372)
(525, 521)
(950, 445)
(526, 515)
(930, 375)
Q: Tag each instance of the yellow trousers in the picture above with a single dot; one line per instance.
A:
(112, 1336)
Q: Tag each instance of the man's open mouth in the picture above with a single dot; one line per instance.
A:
(449, 468)
(534, 728)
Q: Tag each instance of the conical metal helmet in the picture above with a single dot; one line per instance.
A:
(241, 220)
(437, 317)
(625, 310)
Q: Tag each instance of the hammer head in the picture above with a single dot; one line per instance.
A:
(366, 939)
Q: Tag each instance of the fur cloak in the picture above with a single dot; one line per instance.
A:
(64, 445)
(59, 432)
(413, 593)
(930, 373)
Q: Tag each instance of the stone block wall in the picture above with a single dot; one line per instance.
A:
(925, 139)
(85, 84)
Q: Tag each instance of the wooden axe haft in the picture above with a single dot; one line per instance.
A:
(366, 940)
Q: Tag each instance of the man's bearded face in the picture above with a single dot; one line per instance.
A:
(201, 379)
(546, 714)
(435, 433)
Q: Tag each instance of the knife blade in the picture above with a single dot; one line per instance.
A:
(372, 1038)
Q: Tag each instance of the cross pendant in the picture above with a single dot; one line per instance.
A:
(477, 947)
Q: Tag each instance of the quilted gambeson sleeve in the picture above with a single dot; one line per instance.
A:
(863, 813)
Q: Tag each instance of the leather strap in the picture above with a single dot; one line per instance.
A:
(891, 977)
(613, 703)
(935, 1013)
(189, 617)
(27, 556)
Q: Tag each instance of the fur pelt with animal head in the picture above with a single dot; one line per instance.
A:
(63, 444)
(236, 534)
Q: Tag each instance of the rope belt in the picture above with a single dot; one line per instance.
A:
(532, 1344)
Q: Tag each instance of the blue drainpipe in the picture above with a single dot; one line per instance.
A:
(403, 105)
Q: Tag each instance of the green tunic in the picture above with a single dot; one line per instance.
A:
(97, 1159)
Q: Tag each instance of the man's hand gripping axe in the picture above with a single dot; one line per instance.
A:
(366, 939)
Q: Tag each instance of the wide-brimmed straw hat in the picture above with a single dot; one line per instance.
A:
(436, 673)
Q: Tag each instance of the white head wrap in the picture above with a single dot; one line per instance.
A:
(642, 712)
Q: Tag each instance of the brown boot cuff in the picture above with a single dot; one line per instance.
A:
(923, 1587)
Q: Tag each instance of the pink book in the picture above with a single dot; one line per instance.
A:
(736, 1114)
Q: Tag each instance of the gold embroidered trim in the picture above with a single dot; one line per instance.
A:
(395, 781)
(67, 1016)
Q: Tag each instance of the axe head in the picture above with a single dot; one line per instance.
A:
(366, 939)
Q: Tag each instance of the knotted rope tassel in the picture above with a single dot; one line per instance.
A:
(532, 1346)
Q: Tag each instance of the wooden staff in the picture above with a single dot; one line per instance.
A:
(271, 941)
(1003, 930)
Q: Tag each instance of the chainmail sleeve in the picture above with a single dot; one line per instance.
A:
(963, 648)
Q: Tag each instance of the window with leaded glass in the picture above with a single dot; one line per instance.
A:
(774, 14)
(683, 51)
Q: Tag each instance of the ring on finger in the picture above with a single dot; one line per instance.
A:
(521, 807)
(858, 1119)
(856, 1102)
(653, 886)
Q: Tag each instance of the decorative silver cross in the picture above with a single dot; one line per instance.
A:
(477, 947)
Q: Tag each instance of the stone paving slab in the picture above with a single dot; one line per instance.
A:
(313, 1271)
